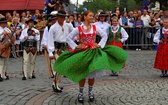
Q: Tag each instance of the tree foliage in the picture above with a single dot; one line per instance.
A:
(99, 4)
(109, 5)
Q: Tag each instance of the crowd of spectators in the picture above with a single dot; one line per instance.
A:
(140, 25)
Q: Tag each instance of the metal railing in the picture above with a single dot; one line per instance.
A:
(140, 37)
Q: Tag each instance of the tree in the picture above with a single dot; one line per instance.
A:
(98, 4)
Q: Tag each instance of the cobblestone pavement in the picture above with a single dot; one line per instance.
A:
(137, 84)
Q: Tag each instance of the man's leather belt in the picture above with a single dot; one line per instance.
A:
(60, 45)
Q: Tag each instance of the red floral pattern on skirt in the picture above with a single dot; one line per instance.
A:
(119, 44)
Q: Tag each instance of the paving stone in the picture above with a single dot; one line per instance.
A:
(137, 84)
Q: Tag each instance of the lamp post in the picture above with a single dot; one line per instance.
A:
(118, 2)
(77, 6)
(125, 8)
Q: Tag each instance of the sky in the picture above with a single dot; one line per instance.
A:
(79, 1)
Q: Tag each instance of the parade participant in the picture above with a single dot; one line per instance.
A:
(16, 29)
(102, 24)
(40, 26)
(117, 35)
(57, 42)
(6, 39)
(29, 36)
(51, 21)
(88, 59)
(161, 38)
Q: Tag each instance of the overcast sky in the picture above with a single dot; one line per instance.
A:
(79, 1)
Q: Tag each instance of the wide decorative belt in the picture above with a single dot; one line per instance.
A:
(86, 46)
(62, 46)
(30, 43)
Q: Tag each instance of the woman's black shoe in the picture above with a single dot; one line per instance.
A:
(162, 75)
(91, 97)
(80, 98)
(114, 73)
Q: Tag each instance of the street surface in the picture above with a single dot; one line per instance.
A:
(137, 84)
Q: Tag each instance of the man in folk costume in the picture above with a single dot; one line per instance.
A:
(51, 21)
(4, 32)
(102, 24)
(117, 35)
(57, 43)
(29, 36)
(161, 38)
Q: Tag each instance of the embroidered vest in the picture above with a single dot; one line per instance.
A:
(114, 36)
(87, 39)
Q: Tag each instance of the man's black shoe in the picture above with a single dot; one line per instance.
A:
(61, 88)
(33, 77)
(7, 78)
(55, 89)
(24, 78)
(1, 79)
(52, 76)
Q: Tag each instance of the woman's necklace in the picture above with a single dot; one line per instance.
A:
(86, 29)
(114, 29)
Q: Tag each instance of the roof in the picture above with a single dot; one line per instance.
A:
(21, 4)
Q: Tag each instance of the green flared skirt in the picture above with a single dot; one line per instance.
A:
(78, 65)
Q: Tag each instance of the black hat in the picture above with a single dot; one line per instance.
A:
(31, 20)
(61, 13)
(52, 17)
(113, 15)
(102, 14)
(3, 20)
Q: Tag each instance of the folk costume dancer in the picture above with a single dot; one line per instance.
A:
(88, 59)
(57, 43)
(4, 31)
(29, 36)
(161, 38)
(51, 21)
(117, 35)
